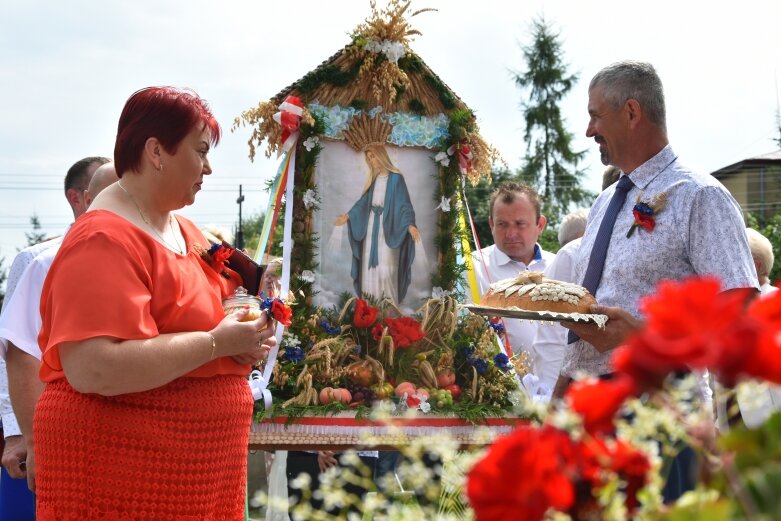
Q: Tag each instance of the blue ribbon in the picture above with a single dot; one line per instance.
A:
(374, 258)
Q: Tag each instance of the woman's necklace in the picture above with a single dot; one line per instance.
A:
(178, 248)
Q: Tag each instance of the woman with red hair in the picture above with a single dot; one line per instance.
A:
(146, 411)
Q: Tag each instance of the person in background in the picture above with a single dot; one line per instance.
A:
(551, 340)
(762, 254)
(620, 262)
(16, 500)
(516, 223)
(137, 351)
(757, 403)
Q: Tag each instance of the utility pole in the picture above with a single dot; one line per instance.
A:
(239, 233)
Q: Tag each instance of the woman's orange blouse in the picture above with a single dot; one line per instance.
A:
(110, 278)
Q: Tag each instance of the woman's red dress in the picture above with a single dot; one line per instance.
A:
(177, 452)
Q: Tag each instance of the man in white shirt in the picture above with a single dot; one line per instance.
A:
(19, 325)
(516, 223)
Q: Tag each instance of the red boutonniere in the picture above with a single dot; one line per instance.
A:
(645, 213)
(215, 256)
(278, 310)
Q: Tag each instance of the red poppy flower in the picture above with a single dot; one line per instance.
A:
(644, 221)
(281, 312)
(365, 315)
(404, 330)
(597, 402)
(498, 491)
(413, 401)
(220, 256)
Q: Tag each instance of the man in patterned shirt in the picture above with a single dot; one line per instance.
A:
(696, 219)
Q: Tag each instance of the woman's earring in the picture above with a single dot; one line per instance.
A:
(160, 167)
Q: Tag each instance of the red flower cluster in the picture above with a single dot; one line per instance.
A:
(281, 312)
(404, 330)
(364, 315)
(693, 324)
(597, 402)
(558, 473)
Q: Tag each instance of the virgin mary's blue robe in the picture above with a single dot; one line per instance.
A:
(397, 216)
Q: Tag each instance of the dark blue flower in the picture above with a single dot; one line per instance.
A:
(498, 327)
(328, 328)
(644, 209)
(479, 364)
(502, 361)
(294, 354)
(213, 248)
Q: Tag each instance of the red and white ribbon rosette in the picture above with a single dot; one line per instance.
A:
(289, 116)
(464, 155)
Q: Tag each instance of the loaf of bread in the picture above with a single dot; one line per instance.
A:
(530, 291)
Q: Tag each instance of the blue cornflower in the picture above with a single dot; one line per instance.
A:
(644, 209)
(480, 365)
(502, 361)
(294, 354)
(497, 326)
(266, 303)
(328, 328)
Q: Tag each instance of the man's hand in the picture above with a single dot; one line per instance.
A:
(619, 325)
(326, 460)
(15, 457)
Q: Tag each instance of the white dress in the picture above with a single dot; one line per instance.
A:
(381, 280)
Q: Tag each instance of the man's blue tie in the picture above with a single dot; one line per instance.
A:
(596, 262)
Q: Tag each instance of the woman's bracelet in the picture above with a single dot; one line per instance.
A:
(214, 346)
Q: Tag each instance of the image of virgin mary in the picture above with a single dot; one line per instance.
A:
(382, 231)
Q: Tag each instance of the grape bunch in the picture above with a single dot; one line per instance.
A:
(441, 398)
(361, 393)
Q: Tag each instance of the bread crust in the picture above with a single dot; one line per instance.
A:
(531, 291)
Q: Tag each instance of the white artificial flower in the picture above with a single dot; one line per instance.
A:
(307, 276)
(392, 50)
(442, 158)
(310, 142)
(444, 204)
(309, 199)
(438, 292)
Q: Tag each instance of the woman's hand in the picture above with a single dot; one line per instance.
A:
(341, 219)
(414, 232)
(247, 341)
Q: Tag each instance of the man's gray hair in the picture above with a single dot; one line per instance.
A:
(573, 226)
(625, 80)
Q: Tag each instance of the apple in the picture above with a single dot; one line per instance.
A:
(342, 395)
(455, 390)
(422, 392)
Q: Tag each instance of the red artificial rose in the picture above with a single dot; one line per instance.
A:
(546, 458)
(281, 312)
(690, 324)
(404, 330)
(413, 401)
(597, 402)
(365, 315)
(646, 222)
(377, 332)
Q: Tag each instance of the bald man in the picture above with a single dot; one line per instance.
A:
(19, 326)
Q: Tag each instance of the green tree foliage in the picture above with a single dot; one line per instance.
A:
(36, 235)
(251, 228)
(550, 164)
(771, 229)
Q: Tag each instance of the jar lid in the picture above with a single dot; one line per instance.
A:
(241, 298)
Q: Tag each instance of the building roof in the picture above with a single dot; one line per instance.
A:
(769, 159)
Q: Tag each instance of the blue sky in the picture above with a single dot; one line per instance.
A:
(66, 69)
